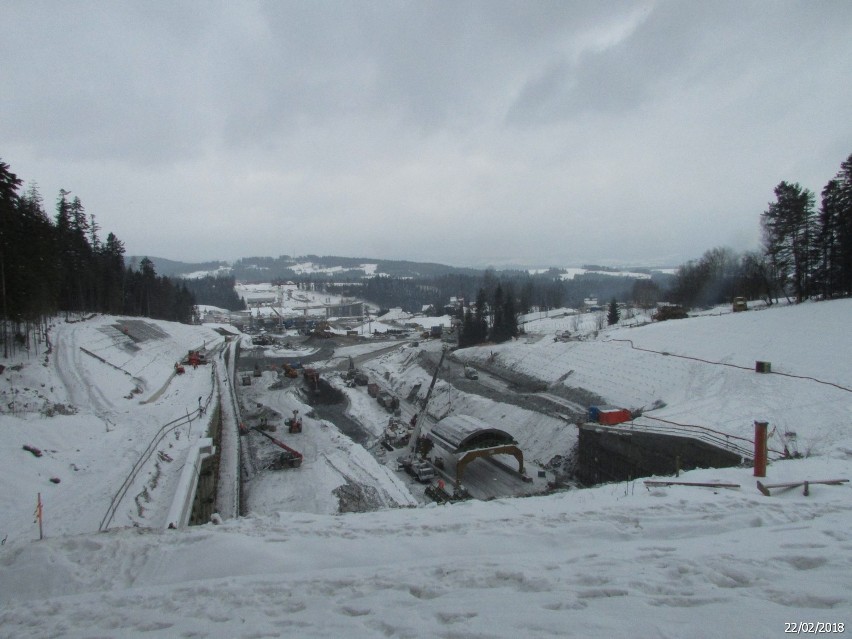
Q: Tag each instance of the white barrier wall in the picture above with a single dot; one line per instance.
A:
(181, 509)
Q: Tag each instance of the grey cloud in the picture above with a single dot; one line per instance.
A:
(593, 124)
(680, 45)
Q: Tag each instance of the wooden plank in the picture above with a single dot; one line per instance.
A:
(767, 488)
(690, 483)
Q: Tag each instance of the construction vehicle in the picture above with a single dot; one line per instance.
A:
(396, 434)
(290, 458)
(388, 400)
(322, 329)
(422, 471)
(312, 379)
(411, 462)
(194, 359)
(290, 372)
(439, 494)
(294, 424)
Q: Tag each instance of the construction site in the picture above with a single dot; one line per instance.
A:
(313, 387)
(427, 418)
(327, 421)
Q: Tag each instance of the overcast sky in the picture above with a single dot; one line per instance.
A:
(468, 133)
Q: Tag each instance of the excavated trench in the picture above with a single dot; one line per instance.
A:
(330, 404)
(520, 390)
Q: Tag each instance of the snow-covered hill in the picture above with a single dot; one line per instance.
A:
(619, 560)
(702, 370)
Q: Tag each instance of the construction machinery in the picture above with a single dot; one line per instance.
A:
(412, 462)
(194, 359)
(396, 434)
(312, 379)
(290, 458)
(322, 329)
(439, 493)
(294, 424)
(388, 401)
(290, 372)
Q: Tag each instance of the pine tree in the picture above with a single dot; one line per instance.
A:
(9, 183)
(480, 315)
(843, 219)
(613, 315)
(510, 315)
(467, 330)
(498, 331)
(830, 273)
(790, 235)
(111, 270)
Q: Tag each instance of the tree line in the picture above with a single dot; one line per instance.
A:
(50, 265)
(806, 252)
(530, 291)
(493, 318)
(216, 291)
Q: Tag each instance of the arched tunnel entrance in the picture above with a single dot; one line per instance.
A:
(488, 452)
(467, 438)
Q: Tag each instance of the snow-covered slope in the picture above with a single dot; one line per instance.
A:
(92, 406)
(702, 370)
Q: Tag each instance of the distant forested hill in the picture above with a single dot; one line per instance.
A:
(313, 267)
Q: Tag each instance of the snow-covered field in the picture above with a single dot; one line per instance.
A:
(619, 560)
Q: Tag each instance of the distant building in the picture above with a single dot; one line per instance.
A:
(345, 309)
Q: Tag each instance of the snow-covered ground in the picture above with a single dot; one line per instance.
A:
(92, 407)
(619, 560)
(701, 370)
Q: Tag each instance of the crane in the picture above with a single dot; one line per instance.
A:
(421, 470)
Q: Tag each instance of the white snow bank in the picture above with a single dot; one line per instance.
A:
(615, 561)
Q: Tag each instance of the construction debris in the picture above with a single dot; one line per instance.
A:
(766, 488)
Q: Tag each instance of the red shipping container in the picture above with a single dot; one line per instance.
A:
(612, 416)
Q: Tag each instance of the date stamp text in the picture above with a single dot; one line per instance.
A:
(813, 627)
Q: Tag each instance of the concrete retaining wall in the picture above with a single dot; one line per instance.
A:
(612, 454)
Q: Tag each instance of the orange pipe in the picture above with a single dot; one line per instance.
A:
(760, 450)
